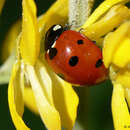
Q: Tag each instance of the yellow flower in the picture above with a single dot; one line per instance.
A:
(32, 81)
(116, 54)
(118, 59)
(34, 84)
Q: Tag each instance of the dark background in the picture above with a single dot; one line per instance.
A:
(95, 102)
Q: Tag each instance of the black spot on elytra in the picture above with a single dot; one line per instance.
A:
(52, 53)
(80, 41)
(99, 63)
(73, 60)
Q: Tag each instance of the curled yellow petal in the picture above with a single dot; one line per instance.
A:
(111, 20)
(66, 105)
(29, 100)
(30, 39)
(120, 110)
(47, 111)
(103, 7)
(1, 4)
(15, 99)
(112, 42)
(122, 55)
(57, 14)
(9, 43)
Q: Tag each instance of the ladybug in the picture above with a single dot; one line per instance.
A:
(73, 56)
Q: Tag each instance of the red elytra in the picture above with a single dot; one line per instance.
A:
(76, 58)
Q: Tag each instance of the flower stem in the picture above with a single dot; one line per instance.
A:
(79, 10)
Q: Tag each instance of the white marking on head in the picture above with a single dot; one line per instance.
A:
(56, 27)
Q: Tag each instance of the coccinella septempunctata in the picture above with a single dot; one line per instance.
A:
(73, 56)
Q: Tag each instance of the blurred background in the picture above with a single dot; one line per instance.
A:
(94, 112)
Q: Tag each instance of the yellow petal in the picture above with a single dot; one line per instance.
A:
(122, 54)
(112, 19)
(112, 41)
(29, 100)
(67, 103)
(15, 98)
(123, 77)
(9, 43)
(57, 14)
(1, 5)
(48, 113)
(120, 110)
(105, 6)
(30, 40)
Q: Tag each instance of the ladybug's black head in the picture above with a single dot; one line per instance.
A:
(52, 34)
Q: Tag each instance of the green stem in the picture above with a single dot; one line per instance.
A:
(79, 10)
